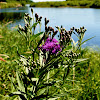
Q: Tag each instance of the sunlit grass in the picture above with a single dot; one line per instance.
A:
(9, 42)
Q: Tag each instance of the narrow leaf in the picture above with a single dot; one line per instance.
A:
(53, 98)
(80, 60)
(21, 86)
(87, 40)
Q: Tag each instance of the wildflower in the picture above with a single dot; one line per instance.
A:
(51, 45)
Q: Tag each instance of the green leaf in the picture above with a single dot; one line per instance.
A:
(43, 70)
(68, 48)
(80, 60)
(41, 91)
(24, 60)
(12, 83)
(60, 95)
(20, 83)
(35, 36)
(41, 58)
(4, 97)
(16, 93)
(59, 29)
(74, 44)
(34, 25)
(35, 80)
(44, 85)
(19, 94)
(53, 98)
(87, 40)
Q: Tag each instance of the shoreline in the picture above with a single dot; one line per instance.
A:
(74, 4)
(57, 4)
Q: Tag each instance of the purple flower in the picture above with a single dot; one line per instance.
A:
(51, 45)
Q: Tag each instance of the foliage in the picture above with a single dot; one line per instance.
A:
(96, 4)
(89, 76)
(68, 3)
(9, 41)
(37, 75)
(13, 3)
(9, 4)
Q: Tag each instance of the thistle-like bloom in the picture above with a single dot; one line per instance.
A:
(51, 45)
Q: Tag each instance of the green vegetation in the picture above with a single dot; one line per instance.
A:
(13, 3)
(9, 41)
(78, 78)
(69, 3)
(9, 4)
(89, 76)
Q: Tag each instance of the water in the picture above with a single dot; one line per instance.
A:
(68, 17)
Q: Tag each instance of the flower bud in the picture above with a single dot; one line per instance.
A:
(32, 10)
(20, 27)
(46, 29)
(57, 27)
(76, 30)
(83, 27)
(73, 28)
(36, 16)
(56, 32)
(49, 28)
(47, 21)
(26, 14)
(85, 30)
(53, 30)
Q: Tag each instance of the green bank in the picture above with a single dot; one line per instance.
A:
(69, 3)
(13, 3)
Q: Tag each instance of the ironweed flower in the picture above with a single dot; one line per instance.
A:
(51, 45)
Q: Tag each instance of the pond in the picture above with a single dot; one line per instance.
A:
(68, 17)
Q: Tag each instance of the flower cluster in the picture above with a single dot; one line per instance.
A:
(51, 45)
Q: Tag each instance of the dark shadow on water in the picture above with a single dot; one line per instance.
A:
(10, 16)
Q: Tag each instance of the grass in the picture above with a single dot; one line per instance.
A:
(9, 4)
(87, 74)
(8, 45)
